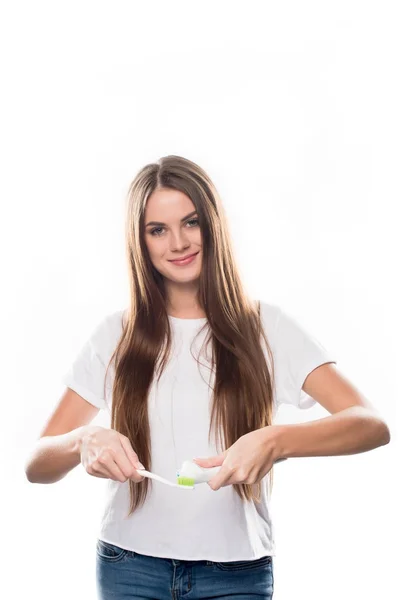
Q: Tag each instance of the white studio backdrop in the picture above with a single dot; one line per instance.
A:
(292, 108)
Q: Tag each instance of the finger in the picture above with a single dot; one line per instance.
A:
(130, 460)
(205, 462)
(211, 461)
(107, 466)
(94, 473)
(134, 476)
(125, 465)
(130, 453)
(222, 478)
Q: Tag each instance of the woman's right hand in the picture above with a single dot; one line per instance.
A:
(107, 453)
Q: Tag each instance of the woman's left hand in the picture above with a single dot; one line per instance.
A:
(248, 460)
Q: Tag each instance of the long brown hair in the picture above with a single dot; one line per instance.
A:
(243, 392)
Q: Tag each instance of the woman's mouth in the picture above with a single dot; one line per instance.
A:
(185, 261)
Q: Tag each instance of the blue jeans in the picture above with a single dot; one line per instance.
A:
(123, 574)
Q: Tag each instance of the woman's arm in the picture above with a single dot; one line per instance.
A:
(54, 456)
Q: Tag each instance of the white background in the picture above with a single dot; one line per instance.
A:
(292, 109)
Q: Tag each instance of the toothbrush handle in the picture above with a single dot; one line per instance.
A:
(150, 475)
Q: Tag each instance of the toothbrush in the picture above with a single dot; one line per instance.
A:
(191, 474)
(150, 475)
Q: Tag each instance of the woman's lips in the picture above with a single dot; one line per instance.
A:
(185, 261)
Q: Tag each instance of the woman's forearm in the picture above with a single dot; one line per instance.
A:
(54, 456)
(350, 431)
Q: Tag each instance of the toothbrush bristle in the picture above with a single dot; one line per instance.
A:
(189, 481)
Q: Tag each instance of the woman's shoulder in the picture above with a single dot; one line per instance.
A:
(111, 321)
(270, 313)
(107, 331)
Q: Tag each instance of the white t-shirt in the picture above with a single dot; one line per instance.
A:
(201, 524)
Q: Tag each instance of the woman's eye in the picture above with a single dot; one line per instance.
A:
(156, 229)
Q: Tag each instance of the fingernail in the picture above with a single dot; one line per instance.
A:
(140, 466)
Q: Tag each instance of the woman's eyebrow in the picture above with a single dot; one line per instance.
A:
(183, 219)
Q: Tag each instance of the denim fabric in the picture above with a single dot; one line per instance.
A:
(123, 574)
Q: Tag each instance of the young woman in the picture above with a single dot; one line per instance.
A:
(191, 368)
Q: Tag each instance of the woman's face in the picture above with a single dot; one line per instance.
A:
(171, 231)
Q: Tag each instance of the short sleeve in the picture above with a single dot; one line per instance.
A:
(298, 352)
(87, 371)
